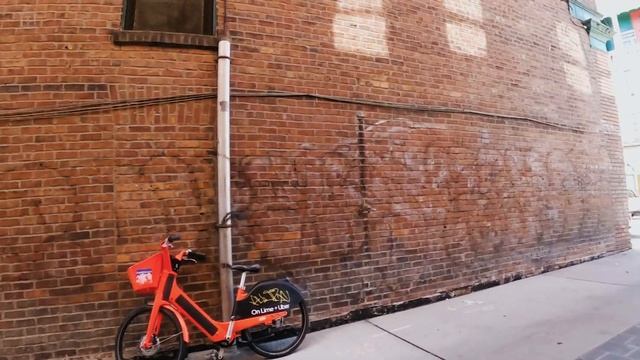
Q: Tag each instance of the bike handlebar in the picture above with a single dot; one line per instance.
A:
(173, 237)
(197, 256)
(185, 255)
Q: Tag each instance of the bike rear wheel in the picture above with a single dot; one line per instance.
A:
(283, 337)
(167, 344)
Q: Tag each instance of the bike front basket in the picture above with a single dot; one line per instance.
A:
(145, 275)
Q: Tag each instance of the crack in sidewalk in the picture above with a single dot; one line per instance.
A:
(589, 281)
(405, 340)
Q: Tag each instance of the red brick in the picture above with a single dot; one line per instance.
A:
(458, 199)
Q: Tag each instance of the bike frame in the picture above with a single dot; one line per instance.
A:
(170, 296)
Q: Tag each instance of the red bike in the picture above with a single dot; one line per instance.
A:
(272, 317)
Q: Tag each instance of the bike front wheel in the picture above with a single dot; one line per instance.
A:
(283, 336)
(167, 344)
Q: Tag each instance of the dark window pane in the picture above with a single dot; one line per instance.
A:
(183, 16)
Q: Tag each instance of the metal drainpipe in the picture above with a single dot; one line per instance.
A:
(224, 176)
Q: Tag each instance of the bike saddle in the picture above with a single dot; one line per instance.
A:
(247, 268)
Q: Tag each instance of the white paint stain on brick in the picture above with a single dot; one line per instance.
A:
(485, 137)
(360, 5)
(443, 175)
(471, 9)
(361, 28)
(467, 39)
(569, 41)
(575, 70)
(365, 34)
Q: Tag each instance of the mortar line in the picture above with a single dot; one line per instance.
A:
(405, 340)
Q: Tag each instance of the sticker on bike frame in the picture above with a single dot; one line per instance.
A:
(144, 276)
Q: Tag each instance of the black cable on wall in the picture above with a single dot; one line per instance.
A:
(94, 107)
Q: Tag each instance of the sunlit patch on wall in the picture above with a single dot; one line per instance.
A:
(467, 39)
(471, 9)
(360, 5)
(363, 33)
(569, 41)
(578, 78)
(575, 68)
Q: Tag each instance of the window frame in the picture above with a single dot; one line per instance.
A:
(583, 12)
(600, 33)
(208, 22)
(126, 37)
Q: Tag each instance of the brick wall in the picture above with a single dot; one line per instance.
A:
(363, 205)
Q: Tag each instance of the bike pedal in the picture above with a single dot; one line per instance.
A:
(216, 355)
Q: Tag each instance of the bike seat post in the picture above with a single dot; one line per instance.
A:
(232, 322)
(243, 278)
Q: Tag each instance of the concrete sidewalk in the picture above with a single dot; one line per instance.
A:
(588, 312)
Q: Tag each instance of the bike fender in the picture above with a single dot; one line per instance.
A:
(183, 324)
(268, 297)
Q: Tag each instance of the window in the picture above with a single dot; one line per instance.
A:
(174, 16)
(599, 29)
(583, 12)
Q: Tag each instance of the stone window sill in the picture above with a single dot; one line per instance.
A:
(166, 39)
